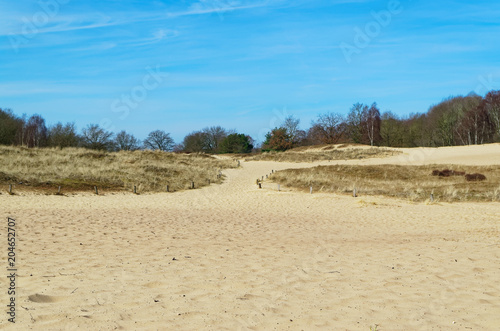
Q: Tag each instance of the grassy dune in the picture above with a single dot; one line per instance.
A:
(325, 153)
(77, 169)
(414, 183)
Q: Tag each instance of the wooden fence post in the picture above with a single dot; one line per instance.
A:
(192, 185)
(10, 189)
(135, 189)
(168, 188)
(96, 191)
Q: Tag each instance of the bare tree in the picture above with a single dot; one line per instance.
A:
(178, 148)
(314, 136)
(443, 119)
(291, 126)
(492, 105)
(95, 137)
(214, 135)
(355, 127)
(195, 142)
(159, 140)
(35, 132)
(329, 128)
(126, 142)
(476, 127)
(11, 127)
(391, 130)
(371, 121)
(63, 135)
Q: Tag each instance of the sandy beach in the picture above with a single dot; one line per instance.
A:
(231, 256)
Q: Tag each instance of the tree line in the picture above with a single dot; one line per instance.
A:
(33, 132)
(461, 120)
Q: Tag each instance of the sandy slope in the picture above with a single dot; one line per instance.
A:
(234, 257)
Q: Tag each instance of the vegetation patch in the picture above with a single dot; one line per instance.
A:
(79, 169)
(324, 153)
(414, 183)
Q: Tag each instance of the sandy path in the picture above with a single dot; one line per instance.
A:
(255, 259)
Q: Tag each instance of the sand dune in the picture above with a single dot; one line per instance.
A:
(231, 256)
(464, 155)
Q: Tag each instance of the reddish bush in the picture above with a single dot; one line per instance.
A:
(447, 173)
(475, 177)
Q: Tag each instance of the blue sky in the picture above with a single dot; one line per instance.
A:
(180, 66)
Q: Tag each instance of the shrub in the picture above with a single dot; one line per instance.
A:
(475, 177)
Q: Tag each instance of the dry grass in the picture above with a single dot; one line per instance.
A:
(325, 153)
(414, 183)
(77, 169)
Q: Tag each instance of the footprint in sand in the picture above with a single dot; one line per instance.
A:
(42, 298)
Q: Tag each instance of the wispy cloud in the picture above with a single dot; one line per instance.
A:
(157, 36)
(217, 6)
(59, 23)
(16, 23)
(75, 22)
(30, 88)
(104, 46)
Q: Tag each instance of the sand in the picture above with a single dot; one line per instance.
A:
(231, 256)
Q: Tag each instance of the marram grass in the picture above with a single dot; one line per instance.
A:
(325, 153)
(414, 183)
(78, 169)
